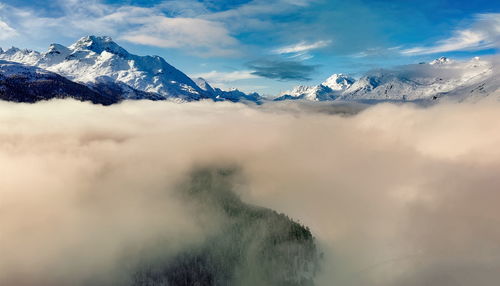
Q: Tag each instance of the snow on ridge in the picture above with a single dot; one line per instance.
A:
(98, 45)
(417, 82)
(440, 61)
(93, 57)
(339, 81)
(203, 84)
(17, 69)
(96, 60)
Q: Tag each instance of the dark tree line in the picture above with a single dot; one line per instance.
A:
(256, 246)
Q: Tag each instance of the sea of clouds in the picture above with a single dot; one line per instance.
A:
(394, 194)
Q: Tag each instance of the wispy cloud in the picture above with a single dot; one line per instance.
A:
(301, 47)
(378, 52)
(300, 51)
(483, 33)
(225, 77)
(284, 70)
(6, 31)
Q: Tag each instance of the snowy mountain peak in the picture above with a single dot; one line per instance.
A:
(57, 49)
(330, 89)
(55, 54)
(22, 56)
(339, 82)
(418, 82)
(13, 50)
(441, 60)
(99, 61)
(313, 93)
(203, 84)
(98, 44)
(91, 58)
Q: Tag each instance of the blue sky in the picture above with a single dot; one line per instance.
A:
(265, 46)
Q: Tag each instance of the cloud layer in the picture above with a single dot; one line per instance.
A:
(396, 195)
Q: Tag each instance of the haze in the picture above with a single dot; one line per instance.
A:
(394, 194)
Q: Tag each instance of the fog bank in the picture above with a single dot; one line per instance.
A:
(395, 195)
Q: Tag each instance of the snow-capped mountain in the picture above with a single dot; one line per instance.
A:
(203, 84)
(110, 71)
(233, 95)
(103, 65)
(93, 59)
(441, 60)
(25, 56)
(419, 82)
(425, 81)
(312, 93)
(339, 82)
(328, 90)
(23, 83)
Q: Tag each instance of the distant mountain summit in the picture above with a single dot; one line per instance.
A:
(441, 60)
(339, 82)
(233, 95)
(439, 78)
(107, 73)
(103, 65)
(99, 45)
(330, 89)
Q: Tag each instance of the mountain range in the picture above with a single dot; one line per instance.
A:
(97, 69)
(437, 79)
(109, 70)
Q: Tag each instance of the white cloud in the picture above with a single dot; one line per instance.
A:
(300, 51)
(195, 27)
(225, 77)
(378, 51)
(301, 56)
(395, 195)
(6, 31)
(148, 26)
(301, 47)
(484, 33)
(205, 37)
(256, 14)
